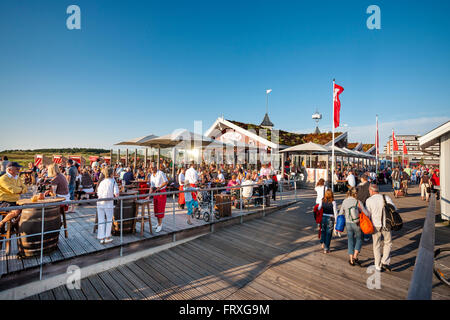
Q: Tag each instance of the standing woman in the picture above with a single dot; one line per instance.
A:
(107, 188)
(158, 183)
(181, 179)
(320, 189)
(328, 219)
(350, 209)
(424, 186)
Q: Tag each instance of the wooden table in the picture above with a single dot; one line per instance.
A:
(23, 202)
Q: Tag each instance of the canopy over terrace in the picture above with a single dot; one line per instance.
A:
(134, 142)
(311, 149)
(182, 139)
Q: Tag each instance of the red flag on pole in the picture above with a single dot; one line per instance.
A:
(337, 103)
(405, 151)
(394, 142)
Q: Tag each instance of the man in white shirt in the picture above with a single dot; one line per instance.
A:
(221, 177)
(247, 188)
(375, 207)
(158, 183)
(351, 179)
(191, 174)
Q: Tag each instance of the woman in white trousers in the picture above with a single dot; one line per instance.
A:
(107, 188)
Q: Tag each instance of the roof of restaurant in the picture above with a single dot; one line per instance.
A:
(289, 138)
(367, 146)
(352, 145)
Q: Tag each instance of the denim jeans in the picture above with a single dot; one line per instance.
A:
(327, 231)
(72, 192)
(354, 237)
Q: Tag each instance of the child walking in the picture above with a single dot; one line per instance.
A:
(190, 202)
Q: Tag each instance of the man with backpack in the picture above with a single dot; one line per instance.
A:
(376, 207)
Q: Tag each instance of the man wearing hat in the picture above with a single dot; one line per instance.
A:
(11, 187)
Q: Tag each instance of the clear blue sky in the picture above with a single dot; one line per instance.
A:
(140, 67)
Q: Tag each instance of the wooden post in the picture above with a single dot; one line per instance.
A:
(135, 159)
(111, 157)
(145, 158)
(126, 159)
(174, 158)
(157, 160)
(118, 155)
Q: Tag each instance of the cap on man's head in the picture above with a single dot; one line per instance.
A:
(13, 164)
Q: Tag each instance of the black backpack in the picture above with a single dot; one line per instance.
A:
(393, 220)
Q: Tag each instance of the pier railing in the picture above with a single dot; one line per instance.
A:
(420, 287)
(284, 187)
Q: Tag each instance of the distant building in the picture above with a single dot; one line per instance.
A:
(429, 155)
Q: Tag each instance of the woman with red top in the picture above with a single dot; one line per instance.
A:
(435, 181)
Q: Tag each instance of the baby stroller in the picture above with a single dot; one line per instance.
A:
(204, 207)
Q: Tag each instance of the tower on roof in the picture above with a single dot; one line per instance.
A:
(266, 123)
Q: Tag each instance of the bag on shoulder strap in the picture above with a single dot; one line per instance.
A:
(318, 214)
(393, 220)
(340, 223)
(365, 224)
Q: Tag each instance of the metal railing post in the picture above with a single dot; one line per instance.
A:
(212, 206)
(240, 197)
(42, 244)
(281, 190)
(264, 199)
(121, 225)
(295, 190)
(173, 211)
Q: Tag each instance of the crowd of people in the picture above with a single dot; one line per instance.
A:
(74, 181)
(362, 196)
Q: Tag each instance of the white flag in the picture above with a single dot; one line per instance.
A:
(268, 91)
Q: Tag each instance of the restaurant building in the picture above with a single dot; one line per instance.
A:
(415, 154)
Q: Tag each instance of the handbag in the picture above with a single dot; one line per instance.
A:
(365, 224)
(340, 223)
(318, 214)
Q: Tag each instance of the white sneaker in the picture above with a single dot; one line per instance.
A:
(102, 241)
(108, 240)
(158, 228)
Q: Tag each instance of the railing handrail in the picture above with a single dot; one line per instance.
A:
(420, 287)
(134, 196)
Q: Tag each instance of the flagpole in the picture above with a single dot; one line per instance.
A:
(392, 154)
(332, 148)
(376, 152)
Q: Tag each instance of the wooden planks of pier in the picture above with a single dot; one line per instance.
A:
(274, 257)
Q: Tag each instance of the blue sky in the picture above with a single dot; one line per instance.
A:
(141, 67)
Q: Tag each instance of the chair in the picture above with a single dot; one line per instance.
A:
(144, 203)
(7, 235)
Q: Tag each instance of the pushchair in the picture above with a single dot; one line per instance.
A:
(205, 207)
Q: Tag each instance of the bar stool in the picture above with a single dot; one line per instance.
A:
(144, 203)
(63, 213)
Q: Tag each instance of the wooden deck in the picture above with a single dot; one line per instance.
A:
(274, 257)
(82, 240)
